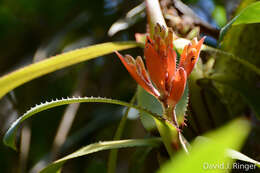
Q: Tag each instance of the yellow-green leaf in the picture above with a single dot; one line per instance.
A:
(92, 148)
(23, 75)
(251, 14)
(209, 154)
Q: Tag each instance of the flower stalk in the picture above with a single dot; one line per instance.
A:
(161, 76)
(154, 15)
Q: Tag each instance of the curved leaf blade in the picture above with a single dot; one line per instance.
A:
(9, 138)
(240, 60)
(100, 146)
(251, 14)
(23, 75)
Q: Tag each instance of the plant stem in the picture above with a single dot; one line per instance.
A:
(154, 15)
(171, 116)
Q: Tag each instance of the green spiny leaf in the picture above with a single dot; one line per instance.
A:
(182, 105)
(149, 102)
(9, 138)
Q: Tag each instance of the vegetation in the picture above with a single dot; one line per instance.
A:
(192, 107)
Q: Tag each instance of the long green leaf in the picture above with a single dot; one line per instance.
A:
(251, 14)
(92, 148)
(210, 150)
(240, 60)
(23, 75)
(9, 138)
(113, 153)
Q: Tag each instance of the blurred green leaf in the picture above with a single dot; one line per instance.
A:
(210, 151)
(219, 14)
(21, 76)
(251, 14)
(9, 138)
(100, 146)
(95, 166)
(131, 18)
(137, 163)
(251, 93)
(241, 43)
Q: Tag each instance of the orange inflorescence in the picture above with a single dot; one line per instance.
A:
(163, 78)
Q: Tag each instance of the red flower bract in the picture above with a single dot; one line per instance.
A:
(168, 79)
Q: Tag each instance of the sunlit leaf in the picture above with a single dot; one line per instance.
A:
(23, 75)
(100, 146)
(169, 135)
(251, 14)
(210, 150)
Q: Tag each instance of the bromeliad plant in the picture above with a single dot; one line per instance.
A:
(164, 79)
